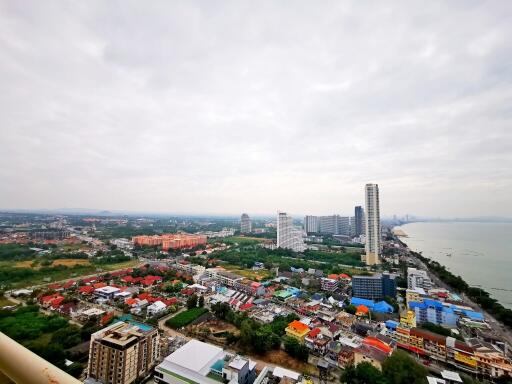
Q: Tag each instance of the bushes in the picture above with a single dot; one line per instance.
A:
(295, 349)
(185, 318)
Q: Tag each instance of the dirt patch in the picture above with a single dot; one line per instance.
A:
(26, 264)
(219, 326)
(280, 357)
(71, 262)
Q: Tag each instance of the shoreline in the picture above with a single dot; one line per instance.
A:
(476, 296)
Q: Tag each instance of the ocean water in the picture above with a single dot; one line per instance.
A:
(481, 253)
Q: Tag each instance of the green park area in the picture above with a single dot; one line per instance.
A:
(186, 317)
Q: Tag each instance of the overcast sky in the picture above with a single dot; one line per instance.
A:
(231, 106)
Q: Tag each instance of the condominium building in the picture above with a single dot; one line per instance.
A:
(358, 221)
(373, 232)
(334, 225)
(288, 236)
(311, 224)
(374, 287)
(245, 223)
(170, 240)
(417, 278)
(122, 352)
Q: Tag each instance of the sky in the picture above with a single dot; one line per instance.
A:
(223, 107)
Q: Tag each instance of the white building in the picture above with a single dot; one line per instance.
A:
(288, 236)
(245, 223)
(373, 232)
(202, 363)
(417, 278)
(156, 308)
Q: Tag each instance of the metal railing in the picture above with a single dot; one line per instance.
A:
(25, 367)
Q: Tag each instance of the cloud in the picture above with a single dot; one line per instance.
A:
(201, 107)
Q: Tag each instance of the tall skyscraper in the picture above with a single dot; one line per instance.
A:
(358, 221)
(311, 224)
(245, 223)
(288, 236)
(372, 224)
(122, 353)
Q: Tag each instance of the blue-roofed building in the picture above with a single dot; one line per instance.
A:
(382, 307)
(392, 324)
(433, 311)
(379, 307)
(360, 301)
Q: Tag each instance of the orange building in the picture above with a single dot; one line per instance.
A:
(170, 240)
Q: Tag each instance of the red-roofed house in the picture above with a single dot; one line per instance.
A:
(68, 284)
(131, 301)
(99, 285)
(86, 290)
(89, 280)
(171, 301)
(55, 286)
(46, 300)
(55, 303)
(246, 306)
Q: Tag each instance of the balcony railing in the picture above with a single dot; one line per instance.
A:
(25, 367)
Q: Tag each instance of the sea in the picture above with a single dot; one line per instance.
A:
(481, 253)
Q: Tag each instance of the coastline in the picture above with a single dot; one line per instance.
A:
(477, 296)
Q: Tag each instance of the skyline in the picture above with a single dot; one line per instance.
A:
(195, 108)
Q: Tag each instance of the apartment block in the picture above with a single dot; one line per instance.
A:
(121, 353)
(374, 287)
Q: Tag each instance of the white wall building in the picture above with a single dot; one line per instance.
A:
(288, 236)
(373, 232)
(417, 278)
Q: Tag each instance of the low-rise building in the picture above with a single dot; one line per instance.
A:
(202, 363)
(297, 330)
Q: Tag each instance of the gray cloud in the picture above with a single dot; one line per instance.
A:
(222, 107)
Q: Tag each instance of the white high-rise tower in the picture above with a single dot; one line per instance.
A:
(372, 226)
(288, 236)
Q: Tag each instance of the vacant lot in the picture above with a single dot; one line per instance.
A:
(280, 357)
(219, 326)
(258, 275)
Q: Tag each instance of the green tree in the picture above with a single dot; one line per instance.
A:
(201, 301)
(364, 373)
(400, 368)
(192, 302)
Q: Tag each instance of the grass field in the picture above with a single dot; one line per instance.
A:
(241, 240)
(71, 262)
(258, 275)
(74, 271)
(4, 302)
(185, 318)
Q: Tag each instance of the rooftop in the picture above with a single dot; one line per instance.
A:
(195, 356)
